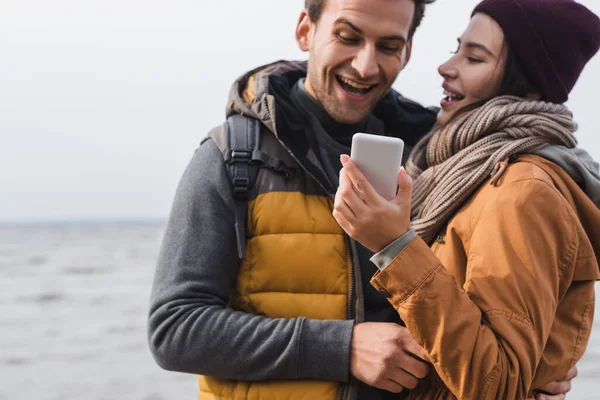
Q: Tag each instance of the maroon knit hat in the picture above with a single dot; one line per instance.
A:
(553, 40)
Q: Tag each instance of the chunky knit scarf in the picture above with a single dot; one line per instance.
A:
(449, 164)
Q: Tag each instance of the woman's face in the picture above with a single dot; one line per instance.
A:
(475, 71)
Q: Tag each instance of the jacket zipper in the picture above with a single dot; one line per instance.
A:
(439, 240)
(346, 392)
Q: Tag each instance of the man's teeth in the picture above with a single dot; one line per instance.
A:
(354, 84)
(452, 96)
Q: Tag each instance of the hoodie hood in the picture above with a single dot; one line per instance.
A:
(265, 94)
(251, 94)
(580, 166)
(265, 91)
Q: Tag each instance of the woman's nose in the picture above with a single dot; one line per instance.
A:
(447, 70)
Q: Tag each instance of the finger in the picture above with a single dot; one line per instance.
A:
(359, 182)
(342, 221)
(572, 374)
(404, 188)
(343, 215)
(557, 388)
(542, 396)
(342, 207)
(349, 194)
(403, 378)
(416, 367)
(390, 386)
(412, 347)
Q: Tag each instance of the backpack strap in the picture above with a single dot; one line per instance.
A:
(243, 159)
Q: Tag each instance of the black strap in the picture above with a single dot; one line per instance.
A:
(274, 164)
(243, 160)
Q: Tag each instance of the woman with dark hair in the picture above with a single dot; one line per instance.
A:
(493, 269)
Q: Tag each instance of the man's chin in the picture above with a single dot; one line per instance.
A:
(351, 114)
(351, 117)
(351, 121)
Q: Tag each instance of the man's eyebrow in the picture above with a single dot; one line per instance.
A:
(360, 31)
(474, 45)
(350, 24)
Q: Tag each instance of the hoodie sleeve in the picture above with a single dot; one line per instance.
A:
(190, 328)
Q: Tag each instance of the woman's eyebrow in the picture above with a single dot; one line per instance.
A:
(475, 45)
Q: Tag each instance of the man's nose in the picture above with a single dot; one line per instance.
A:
(365, 62)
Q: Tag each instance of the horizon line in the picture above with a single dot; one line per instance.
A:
(76, 220)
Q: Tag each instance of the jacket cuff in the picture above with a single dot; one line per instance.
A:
(324, 350)
(387, 255)
(407, 272)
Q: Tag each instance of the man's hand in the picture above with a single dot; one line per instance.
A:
(557, 390)
(385, 355)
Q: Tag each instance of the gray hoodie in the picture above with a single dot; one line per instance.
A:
(579, 165)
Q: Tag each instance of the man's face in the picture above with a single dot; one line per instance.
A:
(356, 50)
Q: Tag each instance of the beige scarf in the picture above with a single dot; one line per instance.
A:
(449, 164)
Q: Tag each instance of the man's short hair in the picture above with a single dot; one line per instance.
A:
(315, 8)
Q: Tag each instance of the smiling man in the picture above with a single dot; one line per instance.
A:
(262, 294)
(356, 51)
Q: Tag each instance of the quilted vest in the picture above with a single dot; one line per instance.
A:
(297, 265)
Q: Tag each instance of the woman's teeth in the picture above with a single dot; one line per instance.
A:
(354, 88)
(452, 96)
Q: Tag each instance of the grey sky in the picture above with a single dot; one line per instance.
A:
(103, 102)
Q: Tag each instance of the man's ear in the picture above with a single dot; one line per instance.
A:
(407, 52)
(304, 31)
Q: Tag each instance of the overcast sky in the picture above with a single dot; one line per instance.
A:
(102, 102)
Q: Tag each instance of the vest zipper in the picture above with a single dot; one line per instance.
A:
(353, 311)
(346, 393)
(349, 311)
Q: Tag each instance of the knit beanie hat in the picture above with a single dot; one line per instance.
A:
(553, 40)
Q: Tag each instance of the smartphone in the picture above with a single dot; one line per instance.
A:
(379, 158)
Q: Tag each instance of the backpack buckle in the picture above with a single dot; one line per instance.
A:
(241, 155)
(241, 186)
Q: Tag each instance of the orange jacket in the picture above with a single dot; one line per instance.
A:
(503, 301)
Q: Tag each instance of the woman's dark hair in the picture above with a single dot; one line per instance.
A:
(514, 82)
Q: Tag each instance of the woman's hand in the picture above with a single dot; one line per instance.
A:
(364, 214)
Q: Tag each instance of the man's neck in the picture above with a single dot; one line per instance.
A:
(339, 131)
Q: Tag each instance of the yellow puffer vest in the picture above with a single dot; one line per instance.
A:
(297, 264)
